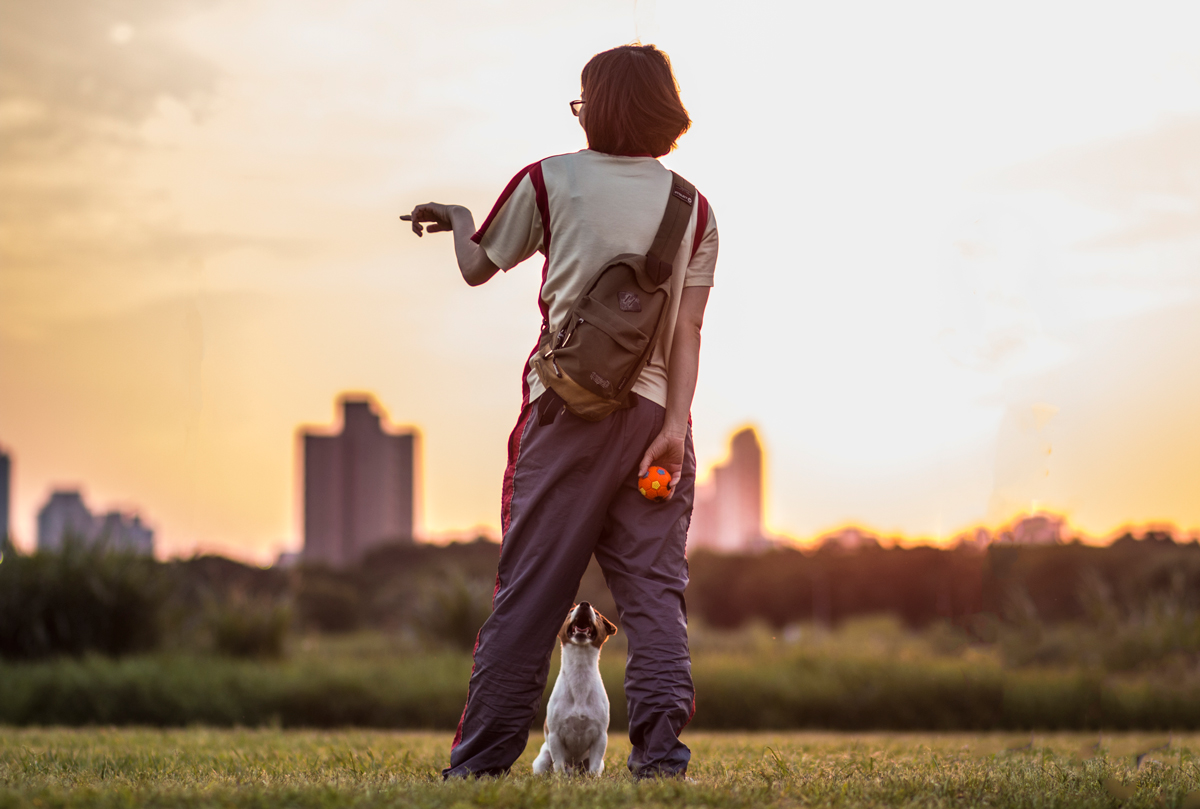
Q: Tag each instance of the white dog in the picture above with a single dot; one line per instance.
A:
(577, 716)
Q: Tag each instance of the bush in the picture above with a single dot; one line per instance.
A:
(241, 626)
(425, 692)
(794, 689)
(328, 604)
(453, 610)
(1161, 629)
(84, 598)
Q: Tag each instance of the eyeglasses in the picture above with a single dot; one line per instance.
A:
(576, 106)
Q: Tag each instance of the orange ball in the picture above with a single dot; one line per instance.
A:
(655, 484)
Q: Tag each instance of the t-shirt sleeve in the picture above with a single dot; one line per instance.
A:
(703, 264)
(513, 230)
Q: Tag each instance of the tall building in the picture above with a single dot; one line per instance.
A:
(5, 493)
(358, 486)
(65, 516)
(727, 514)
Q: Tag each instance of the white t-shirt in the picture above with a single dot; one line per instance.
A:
(583, 209)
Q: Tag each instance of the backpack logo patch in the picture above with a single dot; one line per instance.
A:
(629, 301)
(680, 192)
(601, 381)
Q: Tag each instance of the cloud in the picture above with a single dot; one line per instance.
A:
(84, 225)
(75, 68)
(1150, 180)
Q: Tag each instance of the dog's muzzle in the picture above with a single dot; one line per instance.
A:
(583, 627)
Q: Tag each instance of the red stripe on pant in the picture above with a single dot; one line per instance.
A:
(510, 472)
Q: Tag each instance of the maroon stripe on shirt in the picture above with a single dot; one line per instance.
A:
(542, 200)
(543, 203)
(543, 206)
(504, 195)
(701, 224)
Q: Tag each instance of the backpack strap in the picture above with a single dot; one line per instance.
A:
(661, 256)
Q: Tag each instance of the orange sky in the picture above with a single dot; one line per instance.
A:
(959, 274)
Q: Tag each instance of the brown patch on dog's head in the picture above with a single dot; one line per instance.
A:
(585, 626)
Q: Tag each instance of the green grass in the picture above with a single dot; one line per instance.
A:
(208, 767)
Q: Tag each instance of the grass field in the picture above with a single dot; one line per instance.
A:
(206, 767)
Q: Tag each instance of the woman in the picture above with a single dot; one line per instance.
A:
(570, 488)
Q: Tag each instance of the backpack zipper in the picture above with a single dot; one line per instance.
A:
(571, 333)
(549, 355)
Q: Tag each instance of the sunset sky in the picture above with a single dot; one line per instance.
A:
(959, 275)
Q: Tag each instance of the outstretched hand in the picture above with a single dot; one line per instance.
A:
(436, 215)
(665, 451)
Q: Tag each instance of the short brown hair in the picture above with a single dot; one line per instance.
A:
(633, 105)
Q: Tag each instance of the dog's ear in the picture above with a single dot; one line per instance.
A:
(608, 625)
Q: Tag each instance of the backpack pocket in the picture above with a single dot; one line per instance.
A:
(601, 348)
(595, 355)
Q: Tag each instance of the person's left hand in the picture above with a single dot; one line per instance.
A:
(434, 213)
(665, 451)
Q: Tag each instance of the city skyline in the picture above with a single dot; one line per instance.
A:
(727, 516)
(978, 295)
(65, 518)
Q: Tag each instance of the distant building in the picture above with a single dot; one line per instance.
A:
(287, 560)
(850, 539)
(978, 538)
(125, 532)
(5, 492)
(727, 514)
(358, 487)
(1039, 529)
(65, 516)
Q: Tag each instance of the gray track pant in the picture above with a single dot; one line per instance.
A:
(570, 491)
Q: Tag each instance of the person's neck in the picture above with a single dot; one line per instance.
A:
(617, 154)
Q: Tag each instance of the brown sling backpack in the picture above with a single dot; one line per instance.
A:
(595, 355)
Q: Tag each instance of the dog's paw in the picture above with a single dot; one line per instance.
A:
(543, 764)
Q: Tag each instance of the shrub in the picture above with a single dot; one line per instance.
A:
(84, 598)
(241, 626)
(1160, 629)
(453, 610)
(425, 692)
(793, 689)
(327, 604)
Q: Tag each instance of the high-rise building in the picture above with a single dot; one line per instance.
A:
(727, 514)
(65, 517)
(5, 493)
(358, 486)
